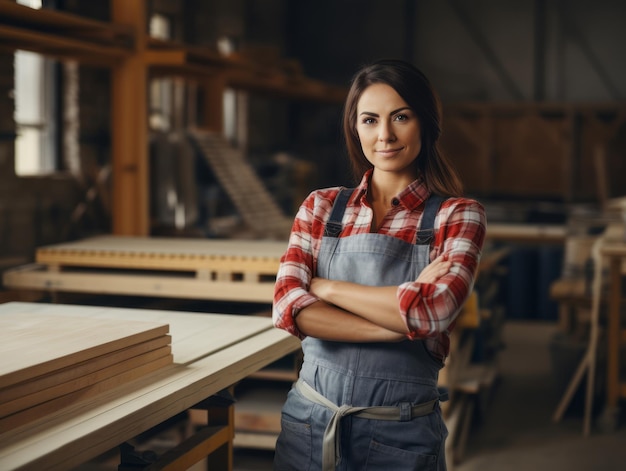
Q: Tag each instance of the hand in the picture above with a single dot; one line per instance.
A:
(435, 270)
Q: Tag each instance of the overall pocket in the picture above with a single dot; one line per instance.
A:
(294, 444)
(383, 457)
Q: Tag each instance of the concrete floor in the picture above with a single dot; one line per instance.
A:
(516, 433)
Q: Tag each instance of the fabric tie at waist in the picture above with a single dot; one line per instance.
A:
(330, 446)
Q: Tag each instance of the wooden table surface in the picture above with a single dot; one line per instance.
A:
(211, 352)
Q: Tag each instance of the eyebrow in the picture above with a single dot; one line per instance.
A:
(369, 113)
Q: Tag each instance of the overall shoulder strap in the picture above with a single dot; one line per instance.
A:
(333, 225)
(426, 230)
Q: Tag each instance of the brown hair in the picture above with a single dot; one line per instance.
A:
(414, 88)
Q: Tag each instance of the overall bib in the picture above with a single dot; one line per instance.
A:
(369, 406)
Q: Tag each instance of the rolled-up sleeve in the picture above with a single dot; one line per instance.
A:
(430, 309)
(291, 291)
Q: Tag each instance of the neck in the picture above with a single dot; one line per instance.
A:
(383, 187)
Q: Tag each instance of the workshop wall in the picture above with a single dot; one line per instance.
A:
(485, 55)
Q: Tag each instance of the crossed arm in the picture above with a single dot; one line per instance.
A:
(350, 312)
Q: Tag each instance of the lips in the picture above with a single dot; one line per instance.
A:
(388, 152)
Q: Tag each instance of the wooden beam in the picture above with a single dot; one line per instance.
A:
(60, 46)
(133, 284)
(66, 25)
(129, 125)
(212, 117)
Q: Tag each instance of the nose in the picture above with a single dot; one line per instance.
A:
(385, 132)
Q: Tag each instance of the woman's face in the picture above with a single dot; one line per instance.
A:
(388, 129)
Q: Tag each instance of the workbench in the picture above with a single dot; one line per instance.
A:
(211, 353)
(210, 269)
(233, 270)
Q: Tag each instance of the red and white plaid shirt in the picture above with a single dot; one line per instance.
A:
(429, 310)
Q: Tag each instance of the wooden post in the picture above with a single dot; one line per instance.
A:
(613, 334)
(213, 104)
(129, 112)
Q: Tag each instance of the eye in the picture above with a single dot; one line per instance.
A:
(401, 117)
(368, 120)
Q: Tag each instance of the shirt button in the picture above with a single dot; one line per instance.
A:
(395, 202)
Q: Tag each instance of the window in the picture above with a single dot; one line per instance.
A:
(35, 107)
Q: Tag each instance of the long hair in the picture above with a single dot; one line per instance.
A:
(412, 85)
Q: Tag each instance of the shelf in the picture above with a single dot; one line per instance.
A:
(65, 24)
(258, 413)
(63, 35)
(238, 71)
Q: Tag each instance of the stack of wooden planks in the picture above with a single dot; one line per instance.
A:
(50, 362)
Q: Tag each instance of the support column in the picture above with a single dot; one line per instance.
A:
(212, 114)
(129, 112)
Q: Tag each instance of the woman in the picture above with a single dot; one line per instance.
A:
(372, 281)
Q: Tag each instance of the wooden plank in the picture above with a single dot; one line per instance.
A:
(259, 441)
(192, 450)
(59, 403)
(532, 233)
(34, 344)
(37, 396)
(36, 277)
(61, 47)
(260, 256)
(81, 369)
(570, 290)
(258, 410)
(194, 335)
(70, 437)
(65, 24)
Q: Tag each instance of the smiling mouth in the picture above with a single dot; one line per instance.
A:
(388, 151)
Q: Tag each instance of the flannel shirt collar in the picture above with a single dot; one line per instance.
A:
(412, 197)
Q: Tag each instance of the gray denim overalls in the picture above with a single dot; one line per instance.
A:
(366, 406)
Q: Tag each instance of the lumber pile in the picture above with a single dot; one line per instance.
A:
(50, 362)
